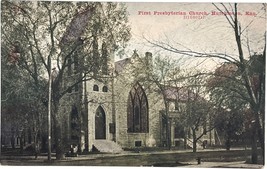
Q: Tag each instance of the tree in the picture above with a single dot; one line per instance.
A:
(229, 93)
(163, 73)
(17, 90)
(231, 124)
(41, 44)
(155, 74)
(230, 98)
(255, 98)
(169, 80)
(199, 112)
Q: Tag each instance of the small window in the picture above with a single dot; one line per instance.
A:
(105, 89)
(138, 143)
(95, 88)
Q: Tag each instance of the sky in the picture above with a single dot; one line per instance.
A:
(204, 33)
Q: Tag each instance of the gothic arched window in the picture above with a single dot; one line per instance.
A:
(137, 111)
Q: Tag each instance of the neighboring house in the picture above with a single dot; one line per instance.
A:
(181, 135)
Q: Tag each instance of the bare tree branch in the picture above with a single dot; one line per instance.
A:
(226, 16)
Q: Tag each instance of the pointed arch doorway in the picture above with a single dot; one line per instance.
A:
(100, 123)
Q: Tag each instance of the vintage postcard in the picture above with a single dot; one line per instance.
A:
(167, 84)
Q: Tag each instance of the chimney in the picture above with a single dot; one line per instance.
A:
(148, 61)
(148, 58)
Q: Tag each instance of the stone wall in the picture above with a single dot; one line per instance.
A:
(114, 102)
(96, 99)
(123, 85)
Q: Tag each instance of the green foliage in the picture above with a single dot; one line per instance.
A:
(256, 64)
(228, 92)
(231, 123)
(21, 106)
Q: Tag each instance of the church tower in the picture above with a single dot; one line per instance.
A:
(99, 97)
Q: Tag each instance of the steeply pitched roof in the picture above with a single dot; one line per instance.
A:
(120, 65)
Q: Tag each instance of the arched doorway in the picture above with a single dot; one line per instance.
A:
(100, 123)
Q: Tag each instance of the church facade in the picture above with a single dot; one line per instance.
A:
(122, 108)
(125, 109)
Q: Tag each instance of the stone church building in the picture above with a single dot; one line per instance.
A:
(123, 111)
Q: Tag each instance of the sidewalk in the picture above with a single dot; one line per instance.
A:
(44, 157)
(146, 157)
(236, 164)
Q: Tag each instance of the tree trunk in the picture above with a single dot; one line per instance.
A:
(257, 134)
(185, 140)
(254, 152)
(58, 130)
(13, 141)
(22, 142)
(228, 143)
(259, 131)
(194, 141)
(58, 139)
(248, 85)
(261, 138)
(168, 131)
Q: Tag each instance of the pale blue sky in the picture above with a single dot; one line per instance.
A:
(211, 34)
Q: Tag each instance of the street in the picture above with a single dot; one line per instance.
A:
(208, 158)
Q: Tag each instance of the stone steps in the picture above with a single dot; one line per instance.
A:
(190, 144)
(107, 146)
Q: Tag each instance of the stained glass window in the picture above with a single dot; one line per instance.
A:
(137, 117)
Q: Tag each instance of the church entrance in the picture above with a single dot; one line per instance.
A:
(100, 123)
